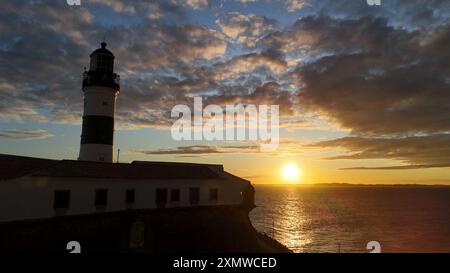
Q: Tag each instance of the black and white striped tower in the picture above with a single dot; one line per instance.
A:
(101, 87)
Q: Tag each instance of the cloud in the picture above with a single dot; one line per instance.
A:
(380, 80)
(195, 4)
(204, 150)
(294, 5)
(407, 167)
(24, 134)
(411, 14)
(151, 10)
(286, 147)
(149, 104)
(371, 74)
(270, 93)
(245, 28)
(167, 46)
(415, 152)
(387, 85)
(42, 78)
(249, 63)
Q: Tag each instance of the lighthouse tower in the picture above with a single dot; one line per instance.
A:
(100, 87)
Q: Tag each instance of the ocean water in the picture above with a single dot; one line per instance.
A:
(346, 218)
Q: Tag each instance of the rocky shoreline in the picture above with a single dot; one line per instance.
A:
(217, 229)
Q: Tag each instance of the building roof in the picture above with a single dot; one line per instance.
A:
(12, 166)
(16, 166)
(103, 50)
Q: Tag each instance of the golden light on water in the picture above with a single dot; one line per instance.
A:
(291, 172)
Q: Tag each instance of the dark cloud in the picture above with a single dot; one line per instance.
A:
(396, 82)
(404, 167)
(41, 78)
(270, 93)
(23, 134)
(416, 152)
(425, 14)
(155, 10)
(286, 146)
(204, 150)
(388, 85)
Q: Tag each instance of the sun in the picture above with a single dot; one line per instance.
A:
(291, 172)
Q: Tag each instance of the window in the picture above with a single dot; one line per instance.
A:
(161, 197)
(213, 194)
(194, 195)
(93, 65)
(101, 197)
(175, 195)
(61, 199)
(104, 63)
(129, 197)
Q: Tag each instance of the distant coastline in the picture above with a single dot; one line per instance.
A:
(355, 185)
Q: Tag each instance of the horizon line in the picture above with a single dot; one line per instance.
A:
(354, 184)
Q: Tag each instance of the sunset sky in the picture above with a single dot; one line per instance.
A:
(363, 91)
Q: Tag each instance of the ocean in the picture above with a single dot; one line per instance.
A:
(336, 218)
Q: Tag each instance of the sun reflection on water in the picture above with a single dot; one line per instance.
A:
(333, 219)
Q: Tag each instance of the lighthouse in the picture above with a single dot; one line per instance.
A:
(100, 87)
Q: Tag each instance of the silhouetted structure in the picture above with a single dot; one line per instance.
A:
(106, 206)
(101, 87)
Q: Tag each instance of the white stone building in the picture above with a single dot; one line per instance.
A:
(32, 188)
